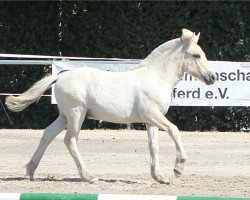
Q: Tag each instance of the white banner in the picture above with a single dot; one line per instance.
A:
(232, 87)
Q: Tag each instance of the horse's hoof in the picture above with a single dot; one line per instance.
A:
(29, 178)
(86, 176)
(94, 181)
(177, 173)
(179, 166)
(163, 180)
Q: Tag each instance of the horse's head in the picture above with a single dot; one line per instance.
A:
(195, 61)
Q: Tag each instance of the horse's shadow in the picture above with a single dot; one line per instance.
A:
(68, 180)
(13, 179)
(118, 181)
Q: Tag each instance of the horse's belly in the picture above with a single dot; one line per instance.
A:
(113, 115)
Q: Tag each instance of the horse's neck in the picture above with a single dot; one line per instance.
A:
(165, 62)
(169, 72)
(166, 67)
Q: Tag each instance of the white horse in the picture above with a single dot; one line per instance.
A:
(140, 95)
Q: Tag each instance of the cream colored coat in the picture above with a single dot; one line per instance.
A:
(140, 95)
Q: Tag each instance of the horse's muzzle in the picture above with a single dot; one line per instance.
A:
(209, 77)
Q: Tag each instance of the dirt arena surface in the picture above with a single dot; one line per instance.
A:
(218, 163)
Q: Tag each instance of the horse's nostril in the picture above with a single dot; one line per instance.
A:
(212, 77)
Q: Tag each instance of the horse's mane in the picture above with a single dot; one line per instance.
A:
(167, 47)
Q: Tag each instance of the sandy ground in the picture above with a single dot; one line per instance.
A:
(218, 163)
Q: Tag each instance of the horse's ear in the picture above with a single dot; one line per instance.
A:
(197, 38)
(187, 34)
(192, 39)
(188, 37)
(188, 41)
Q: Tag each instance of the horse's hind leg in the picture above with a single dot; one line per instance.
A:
(48, 136)
(75, 119)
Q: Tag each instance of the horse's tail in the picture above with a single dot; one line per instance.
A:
(19, 103)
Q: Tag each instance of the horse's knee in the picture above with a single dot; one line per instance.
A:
(66, 140)
(70, 142)
(174, 132)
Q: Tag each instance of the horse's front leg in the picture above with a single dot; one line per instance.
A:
(181, 156)
(153, 144)
(157, 119)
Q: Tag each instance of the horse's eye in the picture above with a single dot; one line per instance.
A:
(196, 56)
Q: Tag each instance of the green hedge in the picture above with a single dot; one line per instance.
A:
(119, 29)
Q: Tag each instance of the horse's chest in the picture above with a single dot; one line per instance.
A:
(159, 100)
